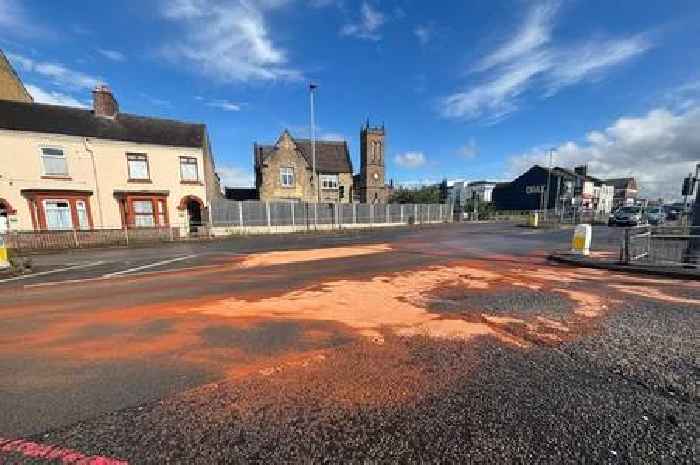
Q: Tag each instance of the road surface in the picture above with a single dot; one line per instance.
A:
(456, 343)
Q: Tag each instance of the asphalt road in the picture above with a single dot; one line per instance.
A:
(456, 343)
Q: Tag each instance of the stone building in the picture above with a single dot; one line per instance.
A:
(11, 87)
(370, 184)
(283, 171)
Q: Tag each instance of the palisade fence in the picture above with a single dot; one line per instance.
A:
(229, 216)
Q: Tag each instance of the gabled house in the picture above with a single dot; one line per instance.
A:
(284, 170)
(626, 190)
(11, 86)
(74, 168)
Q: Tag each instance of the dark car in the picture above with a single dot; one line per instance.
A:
(628, 216)
(672, 212)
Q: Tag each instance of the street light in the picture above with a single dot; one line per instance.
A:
(549, 177)
(312, 89)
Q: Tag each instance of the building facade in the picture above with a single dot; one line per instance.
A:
(11, 87)
(480, 190)
(567, 189)
(284, 171)
(371, 186)
(71, 168)
(626, 191)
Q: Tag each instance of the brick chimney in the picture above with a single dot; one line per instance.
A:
(103, 102)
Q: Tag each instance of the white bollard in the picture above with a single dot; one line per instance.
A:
(581, 242)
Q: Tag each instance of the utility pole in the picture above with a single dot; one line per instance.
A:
(312, 91)
(692, 254)
(549, 177)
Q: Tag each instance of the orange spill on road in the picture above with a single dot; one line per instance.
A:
(296, 256)
(393, 302)
(654, 293)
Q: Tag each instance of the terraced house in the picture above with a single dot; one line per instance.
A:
(72, 168)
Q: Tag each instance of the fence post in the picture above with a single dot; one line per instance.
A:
(627, 246)
(240, 214)
(291, 205)
(337, 214)
(440, 219)
(401, 217)
(267, 212)
(371, 214)
(170, 230)
(429, 221)
(387, 219)
(415, 214)
(354, 213)
(75, 238)
(126, 235)
(315, 215)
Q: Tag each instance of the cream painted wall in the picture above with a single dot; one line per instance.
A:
(21, 168)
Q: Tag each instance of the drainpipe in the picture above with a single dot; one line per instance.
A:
(86, 141)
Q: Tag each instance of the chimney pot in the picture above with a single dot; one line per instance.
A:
(103, 102)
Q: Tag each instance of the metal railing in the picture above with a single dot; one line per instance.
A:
(660, 245)
(252, 215)
(79, 239)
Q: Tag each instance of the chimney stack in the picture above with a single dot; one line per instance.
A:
(103, 102)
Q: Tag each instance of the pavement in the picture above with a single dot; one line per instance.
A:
(455, 343)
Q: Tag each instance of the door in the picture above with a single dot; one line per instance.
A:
(194, 212)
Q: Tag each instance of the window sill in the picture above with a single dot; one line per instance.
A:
(288, 187)
(192, 183)
(57, 177)
(140, 181)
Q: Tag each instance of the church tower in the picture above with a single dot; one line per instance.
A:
(372, 184)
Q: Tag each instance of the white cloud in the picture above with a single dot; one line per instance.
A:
(367, 26)
(58, 73)
(410, 160)
(113, 55)
(14, 19)
(228, 40)
(468, 150)
(530, 62)
(234, 176)
(53, 98)
(424, 33)
(224, 105)
(659, 149)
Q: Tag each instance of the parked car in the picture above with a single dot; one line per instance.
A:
(656, 215)
(672, 212)
(628, 216)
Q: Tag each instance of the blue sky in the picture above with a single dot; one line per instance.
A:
(466, 89)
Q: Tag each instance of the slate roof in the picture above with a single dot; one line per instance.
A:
(622, 183)
(54, 119)
(331, 156)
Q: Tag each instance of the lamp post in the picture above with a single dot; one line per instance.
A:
(549, 177)
(312, 91)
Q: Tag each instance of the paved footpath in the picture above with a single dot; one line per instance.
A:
(458, 344)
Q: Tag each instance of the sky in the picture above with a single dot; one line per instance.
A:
(466, 89)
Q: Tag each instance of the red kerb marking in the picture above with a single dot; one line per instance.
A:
(47, 452)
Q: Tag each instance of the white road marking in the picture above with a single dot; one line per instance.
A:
(136, 274)
(57, 270)
(145, 267)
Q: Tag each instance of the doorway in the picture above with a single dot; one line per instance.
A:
(194, 214)
(4, 222)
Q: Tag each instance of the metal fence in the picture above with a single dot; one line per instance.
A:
(660, 245)
(303, 215)
(78, 239)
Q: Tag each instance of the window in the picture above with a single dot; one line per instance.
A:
(54, 162)
(287, 177)
(81, 210)
(58, 214)
(138, 166)
(143, 213)
(188, 169)
(329, 181)
(341, 192)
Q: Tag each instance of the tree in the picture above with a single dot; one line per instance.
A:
(424, 194)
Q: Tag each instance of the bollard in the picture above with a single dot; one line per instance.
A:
(4, 259)
(533, 219)
(581, 241)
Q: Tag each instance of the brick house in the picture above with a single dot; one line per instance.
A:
(11, 86)
(283, 171)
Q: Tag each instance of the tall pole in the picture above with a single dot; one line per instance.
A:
(312, 89)
(693, 251)
(549, 177)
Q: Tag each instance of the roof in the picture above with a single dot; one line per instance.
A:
(621, 183)
(331, 156)
(54, 119)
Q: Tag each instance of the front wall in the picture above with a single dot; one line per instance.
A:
(22, 169)
(271, 186)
